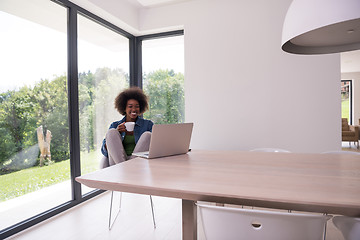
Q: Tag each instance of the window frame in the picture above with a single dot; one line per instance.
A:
(138, 78)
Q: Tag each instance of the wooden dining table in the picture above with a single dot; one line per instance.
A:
(322, 183)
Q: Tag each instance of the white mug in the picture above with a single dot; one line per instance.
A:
(129, 126)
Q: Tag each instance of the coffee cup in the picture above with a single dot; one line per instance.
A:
(129, 126)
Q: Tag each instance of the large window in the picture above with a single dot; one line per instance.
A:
(34, 129)
(103, 72)
(62, 67)
(163, 78)
(346, 100)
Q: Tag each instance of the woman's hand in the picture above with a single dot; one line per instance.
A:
(121, 127)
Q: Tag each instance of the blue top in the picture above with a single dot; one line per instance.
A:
(141, 126)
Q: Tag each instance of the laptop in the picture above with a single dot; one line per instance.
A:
(168, 140)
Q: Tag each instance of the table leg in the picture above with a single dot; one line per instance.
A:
(189, 220)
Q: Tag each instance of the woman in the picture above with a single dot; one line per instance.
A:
(119, 143)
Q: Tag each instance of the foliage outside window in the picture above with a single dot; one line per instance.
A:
(163, 79)
(166, 91)
(22, 112)
(346, 99)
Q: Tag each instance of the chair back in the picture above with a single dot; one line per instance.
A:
(348, 226)
(344, 124)
(269, 150)
(240, 224)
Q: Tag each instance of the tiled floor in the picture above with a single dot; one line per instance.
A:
(21, 208)
(90, 220)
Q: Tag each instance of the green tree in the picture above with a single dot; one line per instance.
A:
(51, 109)
(46, 104)
(16, 121)
(97, 92)
(109, 82)
(86, 110)
(165, 89)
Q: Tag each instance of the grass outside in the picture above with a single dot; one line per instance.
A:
(345, 109)
(32, 179)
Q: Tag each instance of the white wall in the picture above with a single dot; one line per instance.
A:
(355, 76)
(242, 91)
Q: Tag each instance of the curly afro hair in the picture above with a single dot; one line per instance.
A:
(131, 93)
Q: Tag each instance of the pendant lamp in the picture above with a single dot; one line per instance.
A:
(321, 26)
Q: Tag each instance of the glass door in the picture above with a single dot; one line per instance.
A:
(34, 146)
(103, 72)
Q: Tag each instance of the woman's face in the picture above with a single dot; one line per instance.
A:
(132, 110)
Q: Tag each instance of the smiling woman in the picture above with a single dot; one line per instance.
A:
(123, 138)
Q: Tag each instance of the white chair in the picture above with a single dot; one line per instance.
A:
(269, 150)
(348, 226)
(237, 223)
(342, 152)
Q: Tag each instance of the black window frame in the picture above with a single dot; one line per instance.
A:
(138, 54)
(135, 72)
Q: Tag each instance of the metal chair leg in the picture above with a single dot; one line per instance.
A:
(111, 203)
(325, 227)
(152, 210)
(112, 223)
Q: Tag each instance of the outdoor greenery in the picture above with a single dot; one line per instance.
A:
(45, 104)
(22, 111)
(35, 178)
(167, 98)
(345, 108)
(31, 179)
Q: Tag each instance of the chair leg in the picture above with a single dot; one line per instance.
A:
(111, 202)
(152, 210)
(325, 228)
